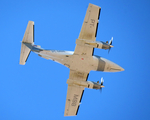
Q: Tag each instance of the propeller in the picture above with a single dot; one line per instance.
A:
(100, 90)
(102, 81)
(110, 45)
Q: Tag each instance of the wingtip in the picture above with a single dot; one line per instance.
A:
(32, 22)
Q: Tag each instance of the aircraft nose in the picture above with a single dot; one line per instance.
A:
(116, 68)
(122, 69)
(108, 66)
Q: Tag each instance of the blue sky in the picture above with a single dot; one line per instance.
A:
(37, 91)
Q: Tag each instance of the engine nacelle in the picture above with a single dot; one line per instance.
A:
(85, 84)
(95, 44)
(94, 85)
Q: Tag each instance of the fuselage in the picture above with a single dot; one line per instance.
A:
(83, 63)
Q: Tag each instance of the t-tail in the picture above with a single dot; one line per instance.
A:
(28, 39)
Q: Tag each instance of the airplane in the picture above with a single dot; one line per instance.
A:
(80, 61)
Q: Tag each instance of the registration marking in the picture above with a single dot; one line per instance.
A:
(74, 101)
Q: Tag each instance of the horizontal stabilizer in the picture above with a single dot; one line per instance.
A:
(29, 33)
(29, 39)
(25, 51)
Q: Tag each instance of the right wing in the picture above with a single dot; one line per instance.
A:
(88, 30)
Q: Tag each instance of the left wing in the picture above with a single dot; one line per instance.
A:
(90, 24)
(74, 93)
(88, 30)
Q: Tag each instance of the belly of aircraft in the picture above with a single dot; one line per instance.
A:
(83, 63)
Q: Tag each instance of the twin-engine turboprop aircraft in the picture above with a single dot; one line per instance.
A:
(80, 62)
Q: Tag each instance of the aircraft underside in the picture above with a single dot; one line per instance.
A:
(80, 62)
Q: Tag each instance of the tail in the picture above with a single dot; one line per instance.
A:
(28, 40)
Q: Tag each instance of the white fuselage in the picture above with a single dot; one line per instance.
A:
(82, 63)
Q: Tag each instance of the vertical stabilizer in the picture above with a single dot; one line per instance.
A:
(28, 38)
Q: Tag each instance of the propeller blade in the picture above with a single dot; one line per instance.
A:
(110, 45)
(109, 50)
(102, 81)
(110, 42)
(100, 90)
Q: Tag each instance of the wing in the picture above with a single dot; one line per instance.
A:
(88, 30)
(74, 93)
